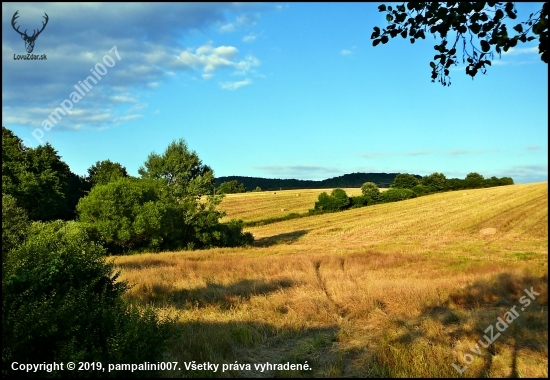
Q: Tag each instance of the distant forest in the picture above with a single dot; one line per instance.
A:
(382, 180)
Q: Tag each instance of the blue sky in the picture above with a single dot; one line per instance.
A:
(268, 90)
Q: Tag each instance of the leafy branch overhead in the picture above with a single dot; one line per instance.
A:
(478, 26)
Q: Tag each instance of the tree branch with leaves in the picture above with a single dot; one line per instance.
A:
(478, 26)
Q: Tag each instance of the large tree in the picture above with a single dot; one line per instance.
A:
(39, 180)
(181, 169)
(478, 26)
(105, 171)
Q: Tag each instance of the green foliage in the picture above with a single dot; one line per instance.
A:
(504, 181)
(181, 169)
(232, 187)
(336, 201)
(474, 180)
(42, 184)
(395, 195)
(405, 181)
(455, 184)
(15, 225)
(257, 189)
(128, 214)
(420, 190)
(472, 22)
(61, 302)
(436, 181)
(105, 171)
(131, 215)
(370, 192)
(358, 201)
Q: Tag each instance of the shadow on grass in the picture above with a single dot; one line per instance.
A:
(285, 238)
(213, 294)
(249, 344)
(467, 316)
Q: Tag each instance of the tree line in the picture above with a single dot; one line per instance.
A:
(405, 186)
(347, 180)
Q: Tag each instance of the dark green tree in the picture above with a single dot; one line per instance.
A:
(434, 181)
(231, 187)
(181, 169)
(371, 192)
(39, 180)
(405, 181)
(478, 26)
(105, 171)
(337, 200)
(474, 180)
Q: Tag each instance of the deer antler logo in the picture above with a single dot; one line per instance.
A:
(29, 40)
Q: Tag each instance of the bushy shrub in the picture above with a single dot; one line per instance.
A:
(258, 188)
(231, 187)
(420, 190)
(62, 302)
(336, 201)
(394, 195)
(371, 192)
(504, 181)
(437, 181)
(455, 184)
(404, 181)
(474, 181)
(132, 215)
(358, 201)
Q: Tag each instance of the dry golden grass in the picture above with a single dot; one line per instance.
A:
(392, 290)
(272, 204)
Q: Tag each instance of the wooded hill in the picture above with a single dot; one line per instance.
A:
(382, 180)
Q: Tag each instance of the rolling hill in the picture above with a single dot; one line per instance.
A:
(346, 180)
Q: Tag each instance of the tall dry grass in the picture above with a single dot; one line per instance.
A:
(392, 290)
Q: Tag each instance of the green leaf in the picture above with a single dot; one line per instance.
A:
(475, 28)
(452, 51)
(381, 8)
(389, 18)
(385, 39)
(485, 46)
(518, 28)
(404, 34)
(432, 65)
(376, 30)
(499, 14)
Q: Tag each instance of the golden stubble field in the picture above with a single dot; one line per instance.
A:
(401, 289)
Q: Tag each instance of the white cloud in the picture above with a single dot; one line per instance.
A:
(235, 85)
(249, 38)
(346, 52)
(518, 51)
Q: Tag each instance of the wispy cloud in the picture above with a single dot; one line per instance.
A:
(532, 148)
(249, 38)
(519, 50)
(235, 85)
(426, 152)
(461, 152)
(526, 173)
(247, 21)
(348, 51)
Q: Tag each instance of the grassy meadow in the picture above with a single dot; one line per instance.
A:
(404, 289)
